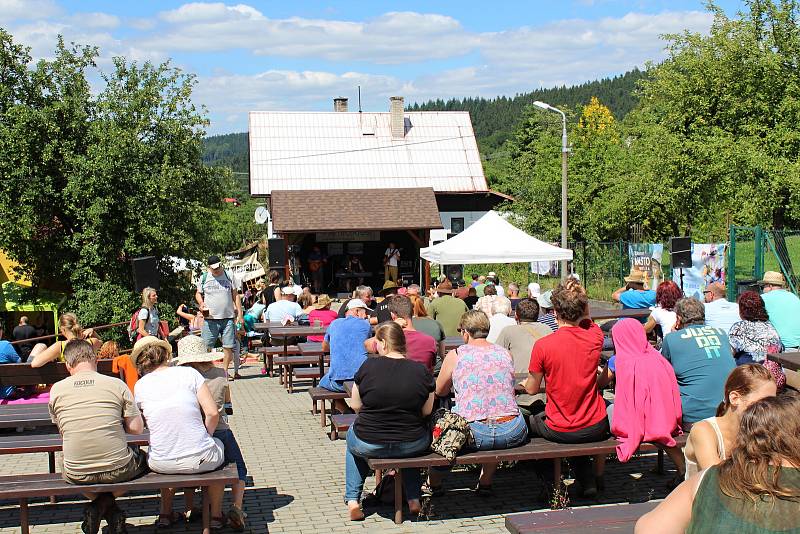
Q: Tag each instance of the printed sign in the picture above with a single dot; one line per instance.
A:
(646, 258)
(708, 266)
(355, 235)
(246, 268)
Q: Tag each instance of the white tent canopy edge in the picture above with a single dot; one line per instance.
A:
(492, 239)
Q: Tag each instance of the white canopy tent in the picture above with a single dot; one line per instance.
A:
(492, 239)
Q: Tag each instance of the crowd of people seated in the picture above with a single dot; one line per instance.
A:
(692, 377)
(533, 366)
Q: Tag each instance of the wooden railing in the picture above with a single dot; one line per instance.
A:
(49, 336)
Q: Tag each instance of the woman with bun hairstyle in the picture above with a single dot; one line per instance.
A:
(711, 440)
(755, 490)
(69, 328)
(181, 415)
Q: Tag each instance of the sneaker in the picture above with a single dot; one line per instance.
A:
(91, 518)
(236, 518)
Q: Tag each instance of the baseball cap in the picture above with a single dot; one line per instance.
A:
(214, 262)
(534, 289)
(352, 304)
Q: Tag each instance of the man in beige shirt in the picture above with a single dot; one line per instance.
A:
(93, 412)
(520, 338)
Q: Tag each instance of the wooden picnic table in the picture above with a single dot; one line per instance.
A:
(789, 360)
(601, 314)
(310, 353)
(25, 415)
(619, 518)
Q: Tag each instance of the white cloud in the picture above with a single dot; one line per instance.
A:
(94, 20)
(392, 38)
(27, 9)
(364, 53)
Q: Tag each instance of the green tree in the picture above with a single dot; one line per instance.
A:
(89, 181)
(729, 106)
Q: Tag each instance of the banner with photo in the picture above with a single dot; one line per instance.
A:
(646, 258)
(708, 266)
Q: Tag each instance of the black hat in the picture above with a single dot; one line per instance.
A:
(214, 262)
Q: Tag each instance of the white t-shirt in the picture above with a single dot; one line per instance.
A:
(167, 399)
(500, 290)
(497, 322)
(276, 311)
(664, 318)
(393, 254)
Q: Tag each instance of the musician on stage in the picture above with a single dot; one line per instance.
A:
(316, 266)
(391, 261)
(353, 265)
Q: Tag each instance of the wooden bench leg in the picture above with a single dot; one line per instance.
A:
(290, 373)
(23, 516)
(334, 433)
(51, 464)
(322, 418)
(660, 464)
(398, 497)
(206, 511)
(314, 407)
(557, 472)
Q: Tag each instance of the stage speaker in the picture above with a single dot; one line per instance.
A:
(277, 253)
(454, 273)
(145, 273)
(681, 252)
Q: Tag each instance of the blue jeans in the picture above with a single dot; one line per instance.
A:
(331, 385)
(356, 468)
(216, 328)
(492, 436)
(233, 454)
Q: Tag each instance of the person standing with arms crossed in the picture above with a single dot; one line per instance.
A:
(391, 261)
(221, 304)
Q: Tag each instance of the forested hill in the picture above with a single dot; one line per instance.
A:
(494, 119)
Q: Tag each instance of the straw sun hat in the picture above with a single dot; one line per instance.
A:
(192, 349)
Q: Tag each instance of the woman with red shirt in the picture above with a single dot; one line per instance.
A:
(567, 360)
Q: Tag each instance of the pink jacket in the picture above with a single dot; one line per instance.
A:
(647, 404)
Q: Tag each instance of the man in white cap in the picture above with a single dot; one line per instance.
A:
(345, 339)
(285, 307)
(534, 290)
(783, 308)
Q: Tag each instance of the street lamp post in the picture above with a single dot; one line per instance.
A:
(564, 153)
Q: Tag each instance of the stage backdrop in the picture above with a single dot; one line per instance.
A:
(708, 266)
(646, 258)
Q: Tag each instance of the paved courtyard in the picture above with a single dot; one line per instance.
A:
(297, 479)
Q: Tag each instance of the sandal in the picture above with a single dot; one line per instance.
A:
(236, 518)
(217, 524)
(166, 521)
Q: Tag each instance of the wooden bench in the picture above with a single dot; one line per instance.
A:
(340, 423)
(536, 449)
(305, 373)
(271, 352)
(24, 487)
(287, 364)
(22, 374)
(617, 518)
(322, 395)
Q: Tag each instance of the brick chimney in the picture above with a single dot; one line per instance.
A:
(340, 104)
(397, 118)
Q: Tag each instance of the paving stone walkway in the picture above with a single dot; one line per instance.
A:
(297, 479)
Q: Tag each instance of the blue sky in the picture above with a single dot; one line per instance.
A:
(265, 55)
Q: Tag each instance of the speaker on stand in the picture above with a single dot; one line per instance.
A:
(145, 273)
(454, 273)
(681, 254)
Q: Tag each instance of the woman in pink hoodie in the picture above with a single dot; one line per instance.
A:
(647, 408)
